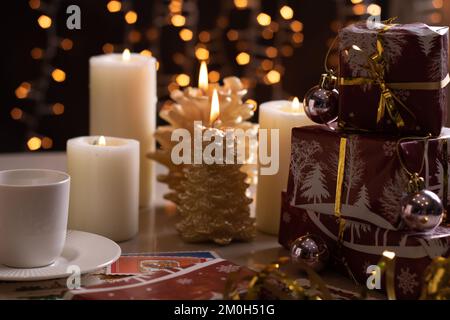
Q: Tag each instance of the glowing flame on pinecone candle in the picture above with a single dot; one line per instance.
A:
(215, 108)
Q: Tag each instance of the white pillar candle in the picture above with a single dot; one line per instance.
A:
(104, 193)
(282, 115)
(123, 104)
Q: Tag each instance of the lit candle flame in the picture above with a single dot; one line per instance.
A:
(295, 105)
(126, 55)
(203, 77)
(215, 109)
(101, 141)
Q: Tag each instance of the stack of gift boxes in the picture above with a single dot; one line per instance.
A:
(346, 185)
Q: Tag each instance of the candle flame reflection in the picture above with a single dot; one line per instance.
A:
(203, 77)
(126, 55)
(215, 109)
(295, 105)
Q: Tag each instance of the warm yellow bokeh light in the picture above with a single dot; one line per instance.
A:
(37, 53)
(16, 113)
(271, 52)
(204, 36)
(374, 9)
(47, 143)
(264, 19)
(359, 9)
(66, 44)
(241, 4)
(298, 37)
(58, 109)
(296, 26)
(267, 64)
(23, 90)
(114, 6)
(243, 58)
(287, 51)
(186, 34)
(232, 35)
(178, 20)
(108, 48)
(34, 143)
(34, 4)
(438, 4)
(202, 53)
(131, 17)
(44, 21)
(183, 80)
(214, 76)
(273, 76)
(146, 53)
(286, 12)
(58, 75)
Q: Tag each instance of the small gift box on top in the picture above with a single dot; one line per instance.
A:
(393, 78)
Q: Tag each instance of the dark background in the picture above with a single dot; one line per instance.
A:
(300, 69)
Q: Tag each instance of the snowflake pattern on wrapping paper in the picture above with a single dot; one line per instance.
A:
(389, 148)
(184, 281)
(407, 281)
(286, 217)
(228, 268)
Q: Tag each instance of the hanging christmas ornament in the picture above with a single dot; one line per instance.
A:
(421, 209)
(321, 102)
(311, 250)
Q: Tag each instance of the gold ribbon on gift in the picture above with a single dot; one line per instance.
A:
(445, 178)
(388, 100)
(339, 184)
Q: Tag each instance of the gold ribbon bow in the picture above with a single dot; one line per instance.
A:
(388, 100)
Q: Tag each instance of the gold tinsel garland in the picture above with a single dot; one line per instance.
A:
(272, 283)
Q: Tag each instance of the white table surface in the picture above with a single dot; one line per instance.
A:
(157, 232)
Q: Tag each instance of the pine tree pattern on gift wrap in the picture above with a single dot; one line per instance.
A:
(393, 192)
(302, 159)
(314, 188)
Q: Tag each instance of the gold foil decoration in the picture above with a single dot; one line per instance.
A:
(437, 280)
(272, 283)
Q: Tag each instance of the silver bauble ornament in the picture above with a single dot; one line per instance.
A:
(422, 210)
(321, 102)
(311, 250)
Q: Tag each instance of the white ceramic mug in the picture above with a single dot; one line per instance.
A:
(34, 207)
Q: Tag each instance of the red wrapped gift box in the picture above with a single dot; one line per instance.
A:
(415, 67)
(363, 245)
(374, 181)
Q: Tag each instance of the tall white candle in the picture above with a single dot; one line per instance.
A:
(282, 115)
(104, 193)
(123, 104)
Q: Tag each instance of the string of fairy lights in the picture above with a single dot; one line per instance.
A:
(259, 47)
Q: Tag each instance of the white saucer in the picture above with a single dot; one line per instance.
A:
(88, 251)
